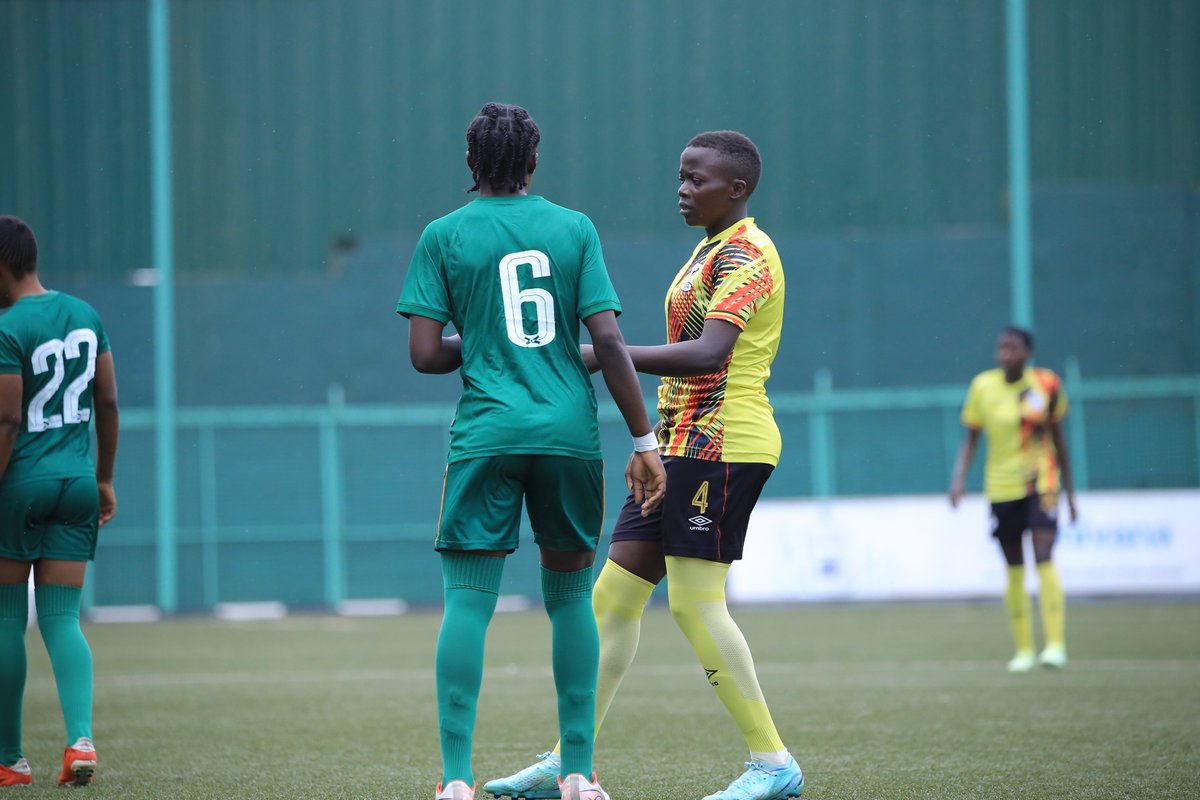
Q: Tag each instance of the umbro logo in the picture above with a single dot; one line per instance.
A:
(700, 522)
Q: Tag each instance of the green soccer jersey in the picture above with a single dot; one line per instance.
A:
(51, 340)
(515, 275)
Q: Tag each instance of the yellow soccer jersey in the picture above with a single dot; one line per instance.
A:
(1015, 419)
(735, 276)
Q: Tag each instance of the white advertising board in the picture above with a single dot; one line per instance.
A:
(919, 547)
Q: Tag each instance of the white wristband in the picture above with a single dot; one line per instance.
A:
(645, 443)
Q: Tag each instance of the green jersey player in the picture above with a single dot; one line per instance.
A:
(56, 375)
(516, 275)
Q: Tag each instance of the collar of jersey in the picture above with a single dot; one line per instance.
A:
(725, 234)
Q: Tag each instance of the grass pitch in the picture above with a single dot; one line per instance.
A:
(881, 702)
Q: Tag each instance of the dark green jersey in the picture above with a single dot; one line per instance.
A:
(515, 275)
(51, 340)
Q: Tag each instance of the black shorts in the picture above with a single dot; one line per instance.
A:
(1037, 512)
(704, 513)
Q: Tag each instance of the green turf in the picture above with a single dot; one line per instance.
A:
(881, 702)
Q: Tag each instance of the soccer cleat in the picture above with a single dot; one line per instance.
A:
(577, 787)
(763, 781)
(537, 782)
(18, 774)
(1023, 661)
(1053, 656)
(79, 763)
(455, 790)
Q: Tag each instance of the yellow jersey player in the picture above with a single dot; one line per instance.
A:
(56, 375)
(1019, 410)
(720, 444)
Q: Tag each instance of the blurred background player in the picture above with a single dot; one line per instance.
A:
(56, 372)
(1019, 409)
(516, 274)
(720, 444)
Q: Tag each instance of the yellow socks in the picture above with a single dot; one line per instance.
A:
(697, 595)
(1016, 600)
(1053, 605)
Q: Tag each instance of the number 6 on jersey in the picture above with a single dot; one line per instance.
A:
(515, 299)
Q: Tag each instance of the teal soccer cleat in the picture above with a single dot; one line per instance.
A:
(761, 781)
(537, 782)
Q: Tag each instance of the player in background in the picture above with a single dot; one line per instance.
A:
(720, 443)
(56, 374)
(1020, 410)
(516, 275)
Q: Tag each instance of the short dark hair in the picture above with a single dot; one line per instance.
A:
(738, 150)
(1022, 334)
(18, 247)
(501, 140)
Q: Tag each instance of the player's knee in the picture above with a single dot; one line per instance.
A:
(578, 698)
(459, 700)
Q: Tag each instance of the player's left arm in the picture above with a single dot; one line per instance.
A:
(1064, 465)
(108, 426)
(702, 356)
(432, 353)
(11, 388)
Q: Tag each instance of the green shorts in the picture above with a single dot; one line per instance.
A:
(481, 502)
(57, 518)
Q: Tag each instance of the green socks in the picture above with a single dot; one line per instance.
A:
(70, 656)
(472, 586)
(575, 650)
(14, 615)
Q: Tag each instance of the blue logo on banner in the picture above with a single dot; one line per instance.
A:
(1151, 536)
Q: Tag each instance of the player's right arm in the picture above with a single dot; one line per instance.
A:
(108, 424)
(11, 390)
(430, 352)
(966, 454)
(644, 475)
(972, 420)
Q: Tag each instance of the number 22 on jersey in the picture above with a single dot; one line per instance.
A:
(59, 351)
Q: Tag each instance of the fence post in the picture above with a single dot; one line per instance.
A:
(1076, 428)
(331, 499)
(821, 436)
(210, 557)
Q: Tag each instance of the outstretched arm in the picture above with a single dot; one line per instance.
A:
(702, 356)
(966, 454)
(432, 353)
(644, 476)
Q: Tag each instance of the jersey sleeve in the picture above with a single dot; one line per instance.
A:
(972, 412)
(10, 354)
(742, 279)
(1056, 393)
(596, 292)
(425, 293)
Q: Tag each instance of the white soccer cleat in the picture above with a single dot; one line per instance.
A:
(577, 787)
(455, 790)
(1053, 656)
(1023, 661)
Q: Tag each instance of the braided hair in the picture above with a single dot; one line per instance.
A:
(18, 247)
(500, 141)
